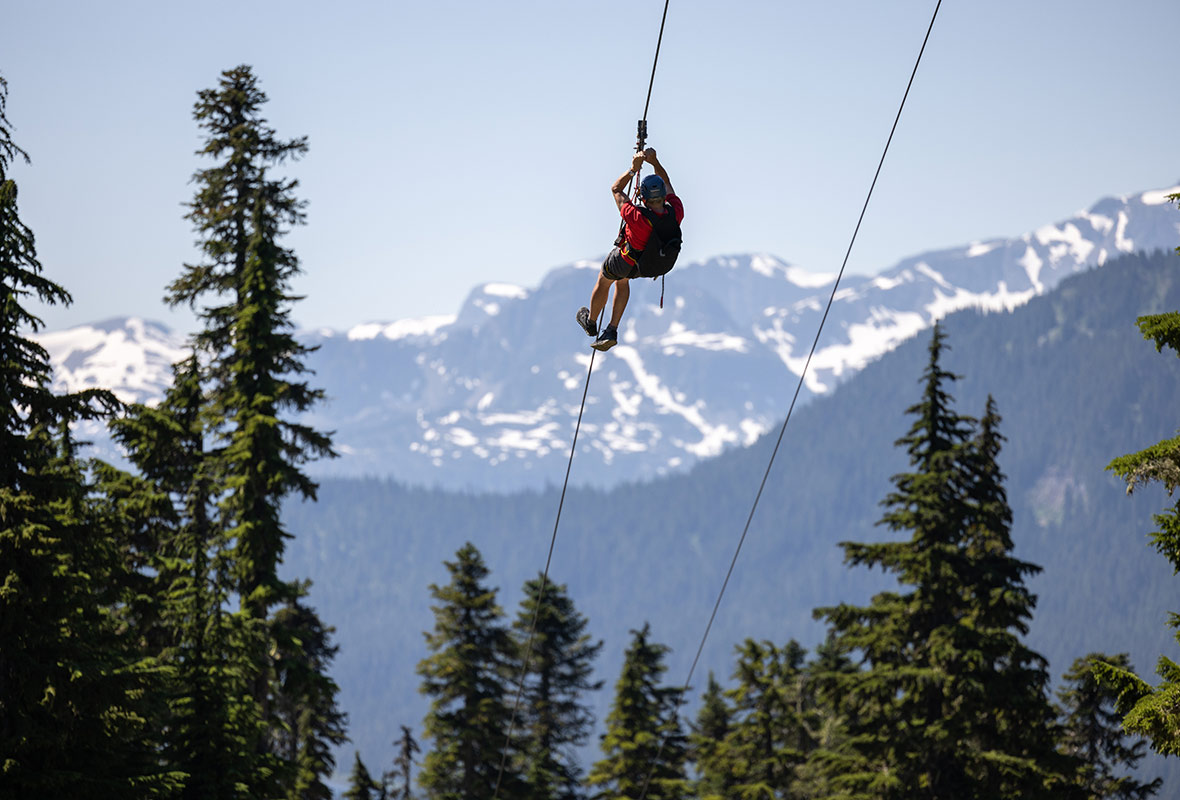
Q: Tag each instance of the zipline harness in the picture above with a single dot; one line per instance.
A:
(641, 139)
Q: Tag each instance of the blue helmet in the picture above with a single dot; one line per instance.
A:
(652, 187)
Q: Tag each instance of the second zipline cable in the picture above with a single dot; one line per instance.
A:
(794, 398)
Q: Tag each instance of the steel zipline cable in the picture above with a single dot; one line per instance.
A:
(565, 484)
(544, 582)
(656, 60)
(794, 398)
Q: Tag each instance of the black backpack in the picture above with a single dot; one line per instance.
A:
(659, 256)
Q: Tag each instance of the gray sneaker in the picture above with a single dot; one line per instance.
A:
(607, 339)
(587, 324)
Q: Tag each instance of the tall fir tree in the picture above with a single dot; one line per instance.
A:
(715, 779)
(644, 748)
(397, 784)
(361, 785)
(467, 676)
(556, 717)
(950, 703)
(1018, 753)
(769, 736)
(1154, 711)
(73, 718)
(1093, 733)
(254, 377)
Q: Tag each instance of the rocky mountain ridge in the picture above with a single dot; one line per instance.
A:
(488, 399)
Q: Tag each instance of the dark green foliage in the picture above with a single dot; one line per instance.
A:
(211, 722)
(240, 212)
(398, 783)
(307, 722)
(1154, 712)
(75, 690)
(361, 785)
(950, 703)
(244, 456)
(826, 721)
(758, 739)
(467, 677)
(248, 709)
(713, 723)
(644, 749)
(769, 735)
(1092, 732)
(555, 719)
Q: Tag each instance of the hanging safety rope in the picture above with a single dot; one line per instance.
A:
(794, 398)
(641, 139)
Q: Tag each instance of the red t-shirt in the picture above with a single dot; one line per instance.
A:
(638, 229)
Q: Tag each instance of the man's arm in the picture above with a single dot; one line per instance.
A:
(649, 155)
(619, 189)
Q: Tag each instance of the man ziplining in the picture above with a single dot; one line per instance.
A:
(647, 246)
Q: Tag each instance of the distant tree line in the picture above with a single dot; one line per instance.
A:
(149, 648)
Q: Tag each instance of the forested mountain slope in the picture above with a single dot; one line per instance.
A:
(1072, 378)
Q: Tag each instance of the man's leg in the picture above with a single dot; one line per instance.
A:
(599, 295)
(622, 295)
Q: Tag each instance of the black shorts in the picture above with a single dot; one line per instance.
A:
(616, 268)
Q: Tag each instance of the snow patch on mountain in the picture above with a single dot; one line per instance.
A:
(131, 357)
(981, 248)
(1002, 299)
(506, 290)
(678, 338)
(1032, 264)
(924, 269)
(402, 329)
(1157, 197)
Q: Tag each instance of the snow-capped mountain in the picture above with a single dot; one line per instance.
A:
(488, 399)
(132, 357)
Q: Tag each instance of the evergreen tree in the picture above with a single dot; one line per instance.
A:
(73, 718)
(241, 213)
(714, 719)
(950, 703)
(361, 785)
(305, 698)
(1093, 734)
(254, 371)
(467, 677)
(170, 502)
(824, 721)
(644, 748)
(1008, 678)
(398, 785)
(1154, 711)
(769, 736)
(556, 719)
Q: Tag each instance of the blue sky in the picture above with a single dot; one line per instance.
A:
(454, 143)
